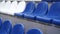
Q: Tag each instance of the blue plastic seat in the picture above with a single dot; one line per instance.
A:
(53, 15)
(0, 22)
(29, 9)
(34, 31)
(56, 13)
(48, 0)
(18, 29)
(41, 10)
(6, 27)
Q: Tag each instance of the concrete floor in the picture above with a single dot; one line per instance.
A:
(28, 24)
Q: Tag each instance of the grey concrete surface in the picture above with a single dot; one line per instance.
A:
(28, 24)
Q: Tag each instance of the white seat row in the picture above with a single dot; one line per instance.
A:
(12, 7)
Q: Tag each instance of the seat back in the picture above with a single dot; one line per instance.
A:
(2, 4)
(29, 7)
(42, 8)
(13, 7)
(54, 10)
(7, 5)
(6, 27)
(34, 31)
(18, 29)
(20, 7)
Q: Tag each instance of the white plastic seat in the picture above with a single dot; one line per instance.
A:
(13, 8)
(17, 8)
(2, 4)
(21, 6)
(6, 7)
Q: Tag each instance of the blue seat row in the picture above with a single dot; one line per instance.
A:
(6, 28)
(19, 29)
(52, 0)
(41, 12)
(52, 16)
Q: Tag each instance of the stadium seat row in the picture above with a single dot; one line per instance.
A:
(6, 28)
(52, 0)
(41, 12)
(12, 7)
